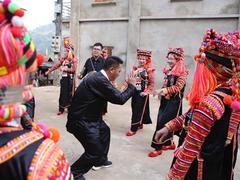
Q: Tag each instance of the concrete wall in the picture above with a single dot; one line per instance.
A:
(191, 8)
(109, 33)
(150, 24)
(89, 10)
(161, 34)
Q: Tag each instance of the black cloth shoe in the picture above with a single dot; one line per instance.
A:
(77, 176)
(106, 164)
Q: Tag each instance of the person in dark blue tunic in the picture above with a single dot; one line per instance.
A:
(170, 95)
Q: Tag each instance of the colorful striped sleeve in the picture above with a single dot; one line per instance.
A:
(204, 116)
(150, 85)
(177, 123)
(233, 124)
(57, 65)
(181, 81)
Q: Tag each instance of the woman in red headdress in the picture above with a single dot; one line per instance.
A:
(144, 86)
(207, 126)
(170, 95)
(68, 65)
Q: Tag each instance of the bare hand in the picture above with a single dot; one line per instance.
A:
(143, 94)
(79, 76)
(131, 79)
(46, 73)
(156, 92)
(161, 135)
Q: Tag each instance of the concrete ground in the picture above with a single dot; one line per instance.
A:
(128, 154)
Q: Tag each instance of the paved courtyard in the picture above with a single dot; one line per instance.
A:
(128, 154)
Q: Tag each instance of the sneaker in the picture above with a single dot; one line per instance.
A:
(105, 165)
(155, 153)
(170, 147)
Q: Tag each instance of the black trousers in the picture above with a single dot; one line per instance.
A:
(95, 139)
(65, 96)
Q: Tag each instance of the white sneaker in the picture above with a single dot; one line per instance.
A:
(105, 165)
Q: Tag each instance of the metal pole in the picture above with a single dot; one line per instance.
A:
(58, 33)
(58, 22)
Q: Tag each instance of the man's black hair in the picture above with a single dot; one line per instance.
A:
(112, 61)
(98, 44)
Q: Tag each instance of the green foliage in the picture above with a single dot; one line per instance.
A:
(42, 38)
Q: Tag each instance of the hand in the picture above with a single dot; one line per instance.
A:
(161, 135)
(48, 72)
(143, 94)
(79, 76)
(227, 142)
(65, 69)
(131, 79)
(156, 92)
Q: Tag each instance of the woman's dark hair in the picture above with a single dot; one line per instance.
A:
(112, 61)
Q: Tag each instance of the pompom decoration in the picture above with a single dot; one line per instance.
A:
(44, 129)
(2, 10)
(6, 3)
(235, 105)
(17, 21)
(19, 13)
(54, 134)
(12, 7)
(227, 100)
(2, 17)
(17, 32)
(40, 59)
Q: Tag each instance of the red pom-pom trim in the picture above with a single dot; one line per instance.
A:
(40, 59)
(17, 32)
(2, 17)
(6, 3)
(54, 134)
(227, 100)
(19, 13)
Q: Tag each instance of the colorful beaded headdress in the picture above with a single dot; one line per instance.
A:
(179, 68)
(17, 57)
(67, 44)
(17, 50)
(141, 52)
(178, 52)
(220, 53)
